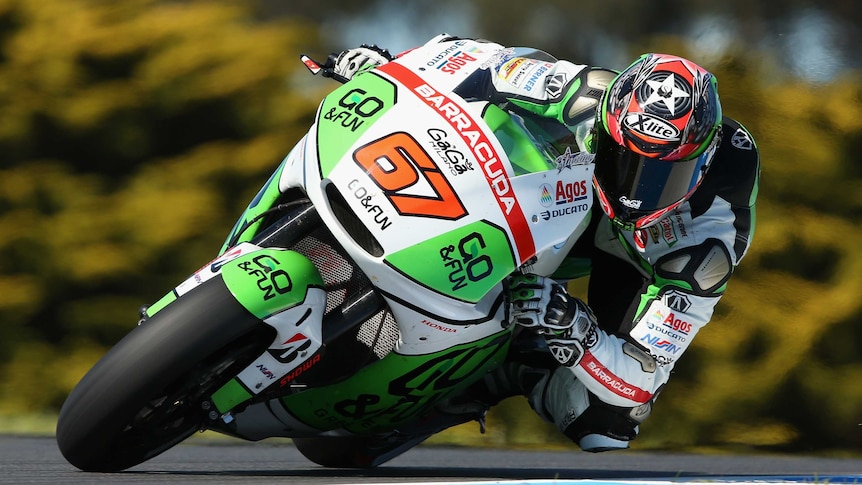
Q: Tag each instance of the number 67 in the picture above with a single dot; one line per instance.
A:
(395, 162)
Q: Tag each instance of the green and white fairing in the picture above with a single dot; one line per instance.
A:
(445, 198)
(456, 194)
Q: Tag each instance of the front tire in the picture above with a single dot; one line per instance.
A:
(144, 396)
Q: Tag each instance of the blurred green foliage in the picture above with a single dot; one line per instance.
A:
(133, 134)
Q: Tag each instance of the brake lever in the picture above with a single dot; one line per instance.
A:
(325, 69)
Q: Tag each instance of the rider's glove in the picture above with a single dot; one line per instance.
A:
(360, 59)
(530, 296)
(568, 325)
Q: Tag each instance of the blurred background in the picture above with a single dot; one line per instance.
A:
(132, 135)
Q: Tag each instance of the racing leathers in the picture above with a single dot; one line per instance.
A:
(650, 290)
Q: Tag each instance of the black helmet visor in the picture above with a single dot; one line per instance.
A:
(637, 186)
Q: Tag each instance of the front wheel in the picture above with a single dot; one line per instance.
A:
(145, 395)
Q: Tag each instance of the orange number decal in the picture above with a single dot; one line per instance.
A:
(395, 162)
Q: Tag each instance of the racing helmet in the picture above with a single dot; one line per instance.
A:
(656, 132)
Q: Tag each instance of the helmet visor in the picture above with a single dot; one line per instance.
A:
(637, 186)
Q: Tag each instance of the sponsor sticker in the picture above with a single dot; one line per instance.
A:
(651, 126)
(663, 331)
(555, 85)
(741, 140)
(676, 301)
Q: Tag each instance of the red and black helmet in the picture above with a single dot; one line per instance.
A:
(657, 130)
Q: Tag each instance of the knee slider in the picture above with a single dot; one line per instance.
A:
(603, 427)
(583, 417)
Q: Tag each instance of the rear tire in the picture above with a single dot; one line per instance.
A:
(144, 396)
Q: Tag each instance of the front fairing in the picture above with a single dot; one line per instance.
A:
(426, 175)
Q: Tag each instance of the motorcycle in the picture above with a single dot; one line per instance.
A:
(363, 286)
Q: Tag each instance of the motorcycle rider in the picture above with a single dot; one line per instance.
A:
(676, 183)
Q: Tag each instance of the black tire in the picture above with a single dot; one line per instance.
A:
(144, 396)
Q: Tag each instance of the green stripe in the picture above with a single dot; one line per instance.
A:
(163, 302)
(230, 395)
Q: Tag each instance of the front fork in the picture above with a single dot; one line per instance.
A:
(284, 290)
